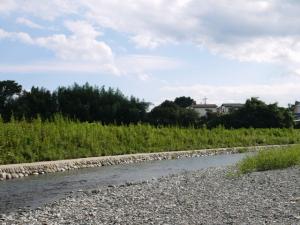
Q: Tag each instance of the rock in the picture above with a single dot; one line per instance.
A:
(8, 176)
(14, 176)
(3, 176)
(95, 191)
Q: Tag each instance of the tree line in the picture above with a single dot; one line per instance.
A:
(88, 103)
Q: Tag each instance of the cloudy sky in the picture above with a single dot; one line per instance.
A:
(225, 50)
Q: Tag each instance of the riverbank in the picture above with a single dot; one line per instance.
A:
(207, 196)
(60, 139)
(15, 171)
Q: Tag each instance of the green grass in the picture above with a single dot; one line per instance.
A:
(64, 139)
(271, 159)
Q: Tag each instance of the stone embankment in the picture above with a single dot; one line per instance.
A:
(14, 171)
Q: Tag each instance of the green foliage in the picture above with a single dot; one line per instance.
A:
(255, 114)
(79, 102)
(169, 113)
(8, 90)
(184, 101)
(88, 103)
(37, 101)
(61, 138)
(271, 159)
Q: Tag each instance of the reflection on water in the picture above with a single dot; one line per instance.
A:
(35, 191)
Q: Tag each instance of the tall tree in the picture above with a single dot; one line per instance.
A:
(37, 101)
(88, 103)
(169, 113)
(184, 101)
(9, 90)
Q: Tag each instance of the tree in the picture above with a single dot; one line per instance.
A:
(88, 103)
(184, 101)
(256, 114)
(9, 89)
(169, 113)
(36, 102)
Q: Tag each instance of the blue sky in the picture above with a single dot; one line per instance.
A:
(225, 50)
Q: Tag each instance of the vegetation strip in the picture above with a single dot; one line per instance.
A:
(271, 159)
(24, 142)
(20, 170)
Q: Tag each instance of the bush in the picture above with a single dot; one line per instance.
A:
(22, 141)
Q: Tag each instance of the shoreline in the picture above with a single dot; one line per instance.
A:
(14, 171)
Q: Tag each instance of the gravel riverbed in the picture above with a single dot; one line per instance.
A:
(208, 196)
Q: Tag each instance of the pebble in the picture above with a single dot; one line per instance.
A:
(207, 196)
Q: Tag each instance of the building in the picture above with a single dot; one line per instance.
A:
(297, 111)
(227, 108)
(203, 109)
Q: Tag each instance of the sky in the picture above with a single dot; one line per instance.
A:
(223, 50)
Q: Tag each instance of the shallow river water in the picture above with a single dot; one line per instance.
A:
(34, 191)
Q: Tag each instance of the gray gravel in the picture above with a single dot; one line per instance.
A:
(207, 196)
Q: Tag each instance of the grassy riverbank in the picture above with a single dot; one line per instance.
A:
(271, 159)
(63, 139)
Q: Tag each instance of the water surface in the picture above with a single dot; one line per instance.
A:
(34, 191)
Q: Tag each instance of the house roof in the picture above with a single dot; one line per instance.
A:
(232, 104)
(205, 106)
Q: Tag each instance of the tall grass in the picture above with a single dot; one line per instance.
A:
(271, 159)
(22, 141)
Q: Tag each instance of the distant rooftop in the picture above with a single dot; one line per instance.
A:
(233, 104)
(204, 106)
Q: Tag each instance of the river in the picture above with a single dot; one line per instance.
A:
(34, 191)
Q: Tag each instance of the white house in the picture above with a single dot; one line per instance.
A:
(226, 108)
(203, 109)
(297, 111)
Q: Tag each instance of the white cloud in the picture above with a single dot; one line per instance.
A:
(48, 10)
(4, 34)
(81, 49)
(6, 6)
(28, 23)
(246, 30)
(235, 28)
(147, 41)
(258, 30)
(144, 77)
(284, 51)
(138, 64)
(268, 49)
(284, 93)
(82, 29)
(80, 45)
(41, 67)
(17, 36)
